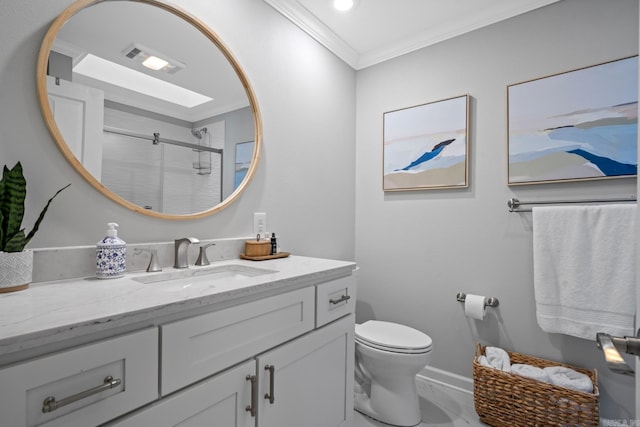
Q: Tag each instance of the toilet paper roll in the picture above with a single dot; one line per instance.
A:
(474, 306)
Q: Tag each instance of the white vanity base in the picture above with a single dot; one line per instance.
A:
(88, 351)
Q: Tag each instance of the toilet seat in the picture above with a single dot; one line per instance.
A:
(392, 337)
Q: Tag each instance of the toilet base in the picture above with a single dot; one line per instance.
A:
(395, 411)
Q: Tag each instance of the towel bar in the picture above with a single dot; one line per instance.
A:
(490, 302)
(515, 204)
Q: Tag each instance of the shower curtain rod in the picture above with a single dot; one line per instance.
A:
(157, 139)
(514, 204)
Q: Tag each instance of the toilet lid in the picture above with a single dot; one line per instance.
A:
(392, 337)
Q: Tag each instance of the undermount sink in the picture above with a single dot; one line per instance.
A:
(207, 276)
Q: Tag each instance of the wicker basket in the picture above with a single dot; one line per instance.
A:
(503, 399)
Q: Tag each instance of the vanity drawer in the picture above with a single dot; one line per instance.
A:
(76, 380)
(200, 346)
(335, 299)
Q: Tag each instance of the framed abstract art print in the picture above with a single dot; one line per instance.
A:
(577, 125)
(426, 146)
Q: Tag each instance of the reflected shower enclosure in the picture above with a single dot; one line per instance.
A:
(164, 174)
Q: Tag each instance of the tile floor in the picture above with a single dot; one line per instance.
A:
(441, 406)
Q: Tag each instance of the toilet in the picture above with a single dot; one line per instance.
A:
(388, 358)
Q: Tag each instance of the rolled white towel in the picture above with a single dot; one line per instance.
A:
(569, 378)
(498, 358)
(529, 371)
(484, 362)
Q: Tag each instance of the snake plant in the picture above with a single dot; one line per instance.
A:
(13, 191)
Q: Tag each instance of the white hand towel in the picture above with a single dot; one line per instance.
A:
(530, 372)
(498, 358)
(584, 269)
(569, 378)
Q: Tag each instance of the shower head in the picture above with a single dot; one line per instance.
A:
(199, 133)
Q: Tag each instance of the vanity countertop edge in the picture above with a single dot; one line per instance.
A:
(51, 312)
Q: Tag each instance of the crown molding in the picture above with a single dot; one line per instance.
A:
(300, 16)
(437, 35)
(304, 19)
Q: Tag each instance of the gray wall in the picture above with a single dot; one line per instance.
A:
(416, 250)
(306, 178)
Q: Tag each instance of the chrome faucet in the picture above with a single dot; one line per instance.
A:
(202, 256)
(154, 265)
(182, 251)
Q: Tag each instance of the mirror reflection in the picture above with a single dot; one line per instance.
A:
(149, 108)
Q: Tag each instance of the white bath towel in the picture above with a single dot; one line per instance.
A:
(495, 357)
(530, 371)
(584, 269)
(569, 378)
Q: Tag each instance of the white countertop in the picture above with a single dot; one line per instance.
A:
(49, 312)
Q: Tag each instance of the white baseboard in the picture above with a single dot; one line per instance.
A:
(447, 379)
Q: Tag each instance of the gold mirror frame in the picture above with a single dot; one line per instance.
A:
(41, 85)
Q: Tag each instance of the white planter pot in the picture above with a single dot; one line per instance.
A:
(16, 269)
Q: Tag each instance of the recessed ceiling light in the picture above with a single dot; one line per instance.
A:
(155, 63)
(343, 5)
(109, 72)
(152, 59)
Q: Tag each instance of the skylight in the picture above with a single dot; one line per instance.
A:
(109, 72)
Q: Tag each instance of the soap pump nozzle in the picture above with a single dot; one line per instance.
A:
(111, 229)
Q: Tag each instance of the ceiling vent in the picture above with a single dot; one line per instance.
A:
(133, 53)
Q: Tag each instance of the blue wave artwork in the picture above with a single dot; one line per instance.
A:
(435, 151)
(425, 146)
(608, 166)
(581, 150)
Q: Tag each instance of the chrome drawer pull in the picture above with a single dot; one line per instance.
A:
(50, 404)
(272, 372)
(254, 396)
(342, 299)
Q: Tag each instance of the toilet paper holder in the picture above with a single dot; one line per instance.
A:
(489, 302)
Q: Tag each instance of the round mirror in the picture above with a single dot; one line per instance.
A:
(149, 106)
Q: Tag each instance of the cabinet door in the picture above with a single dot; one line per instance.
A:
(310, 379)
(220, 401)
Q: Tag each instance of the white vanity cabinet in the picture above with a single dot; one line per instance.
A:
(276, 351)
(83, 386)
(283, 382)
(306, 382)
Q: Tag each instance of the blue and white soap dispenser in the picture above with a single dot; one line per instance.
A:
(111, 255)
